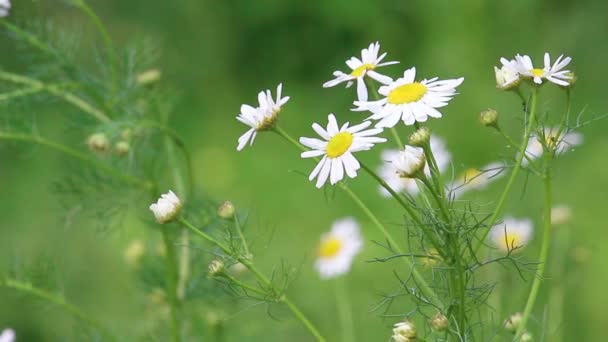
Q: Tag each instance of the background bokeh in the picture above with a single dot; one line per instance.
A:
(219, 54)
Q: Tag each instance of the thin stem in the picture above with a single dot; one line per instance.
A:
(544, 250)
(344, 310)
(514, 172)
(172, 278)
(511, 142)
(245, 286)
(78, 155)
(239, 230)
(59, 301)
(260, 276)
(438, 199)
(20, 93)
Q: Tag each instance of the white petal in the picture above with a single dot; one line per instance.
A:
(361, 89)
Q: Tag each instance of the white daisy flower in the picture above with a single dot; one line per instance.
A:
(560, 214)
(166, 208)
(404, 332)
(337, 149)
(5, 6)
(507, 77)
(7, 335)
(476, 179)
(360, 68)
(338, 248)
(566, 142)
(389, 174)
(553, 73)
(260, 118)
(409, 162)
(409, 100)
(511, 233)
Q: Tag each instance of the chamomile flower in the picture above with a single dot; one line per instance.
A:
(511, 234)
(260, 118)
(338, 248)
(166, 208)
(476, 179)
(389, 173)
(337, 149)
(5, 7)
(561, 144)
(553, 73)
(410, 100)
(360, 68)
(7, 335)
(507, 77)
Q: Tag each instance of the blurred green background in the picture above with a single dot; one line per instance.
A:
(219, 54)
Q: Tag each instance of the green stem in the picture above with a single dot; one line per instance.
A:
(514, 172)
(172, 278)
(245, 286)
(59, 301)
(78, 155)
(511, 142)
(261, 277)
(345, 310)
(239, 231)
(544, 250)
(20, 93)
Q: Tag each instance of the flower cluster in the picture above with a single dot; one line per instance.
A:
(512, 71)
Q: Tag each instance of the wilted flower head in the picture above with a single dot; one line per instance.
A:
(511, 234)
(404, 331)
(338, 248)
(5, 6)
(360, 68)
(166, 208)
(7, 335)
(260, 118)
(410, 162)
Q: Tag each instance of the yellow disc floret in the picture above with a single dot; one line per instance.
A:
(364, 67)
(330, 247)
(407, 93)
(537, 72)
(339, 144)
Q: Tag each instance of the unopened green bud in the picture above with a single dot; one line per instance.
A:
(489, 118)
(226, 210)
(216, 268)
(440, 322)
(126, 134)
(512, 323)
(420, 137)
(122, 148)
(148, 77)
(98, 142)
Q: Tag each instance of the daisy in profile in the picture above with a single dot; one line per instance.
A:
(262, 117)
(410, 100)
(561, 144)
(554, 73)
(511, 234)
(5, 7)
(337, 148)
(338, 248)
(360, 68)
(476, 179)
(507, 77)
(389, 173)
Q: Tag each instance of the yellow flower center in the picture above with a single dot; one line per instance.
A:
(407, 93)
(361, 69)
(537, 72)
(339, 144)
(330, 247)
(470, 175)
(510, 241)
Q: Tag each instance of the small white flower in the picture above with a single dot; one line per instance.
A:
(476, 179)
(560, 214)
(360, 68)
(404, 332)
(260, 118)
(511, 233)
(566, 142)
(507, 77)
(166, 208)
(338, 248)
(337, 149)
(409, 162)
(5, 6)
(7, 335)
(409, 100)
(388, 172)
(553, 73)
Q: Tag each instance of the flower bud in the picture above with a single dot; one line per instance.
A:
(489, 118)
(216, 268)
(226, 210)
(410, 162)
(512, 323)
(404, 331)
(98, 142)
(440, 322)
(420, 137)
(126, 134)
(238, 268)
(122, 148)
(148, 77)
(166, 208)
(526, 337)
